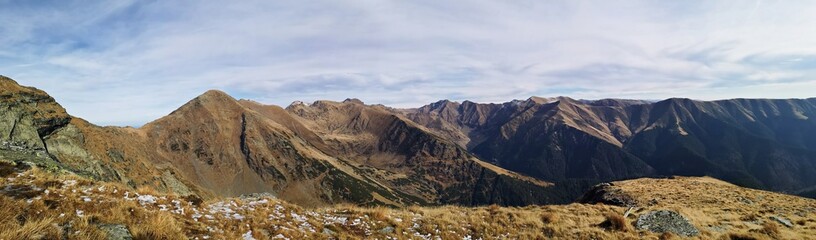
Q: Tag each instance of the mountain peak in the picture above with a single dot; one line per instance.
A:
(353, 100)
(215, 94)
(9, 86)
(539, 100)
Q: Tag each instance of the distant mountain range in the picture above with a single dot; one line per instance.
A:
(758, 143)
(517, 153)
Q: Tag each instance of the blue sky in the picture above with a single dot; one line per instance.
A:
(129, 62)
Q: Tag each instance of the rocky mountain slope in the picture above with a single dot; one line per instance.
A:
(216, 145)
(759, 143)
(540, 150)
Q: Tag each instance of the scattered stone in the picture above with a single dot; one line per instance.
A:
(248, 236)
(783, 221)
(116, 231)
(387, 230)
(745, 200)
(718, 228)
(606, 193)
(327, 231)
(666, 221)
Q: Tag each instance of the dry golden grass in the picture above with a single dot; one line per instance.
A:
(64, 200)
(722, 210)
(160, 225)
(616, 222)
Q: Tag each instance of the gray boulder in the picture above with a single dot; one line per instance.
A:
(783, 221)
(387, 230)
(666, 221)
(116, 231)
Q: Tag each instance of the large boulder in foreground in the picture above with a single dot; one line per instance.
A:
(26, 116)
(666, 221)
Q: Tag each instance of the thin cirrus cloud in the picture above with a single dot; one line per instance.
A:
(129, 62)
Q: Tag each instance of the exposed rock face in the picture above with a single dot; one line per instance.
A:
(606, 193)
(666, 221)
(26, 116)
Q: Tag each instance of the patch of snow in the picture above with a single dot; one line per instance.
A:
(259, 202)
(248, 236)
(68, 183)
(146, 199)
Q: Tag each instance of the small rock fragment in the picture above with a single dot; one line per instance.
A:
(783, 221)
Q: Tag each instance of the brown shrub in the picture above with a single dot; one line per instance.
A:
(548, 218)
(158, 225)
(379, 214)
(741, 236)
(616, 222)
(493, 209)
(667, 236)
(770, 229)
(750, 217)
(38, 229)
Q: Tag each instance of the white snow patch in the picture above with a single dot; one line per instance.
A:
(68, 183)
(146, 199)
(248, 236)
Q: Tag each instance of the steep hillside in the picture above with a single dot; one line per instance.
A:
(217, 146)
(407, 157)
(759, 143)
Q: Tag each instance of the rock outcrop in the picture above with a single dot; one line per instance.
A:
(27, 115)
(606, 193)
(666, 221)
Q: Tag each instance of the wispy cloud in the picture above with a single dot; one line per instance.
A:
(128, 62)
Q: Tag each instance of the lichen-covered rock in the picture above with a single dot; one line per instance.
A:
(782, 221)
(666, 221)
(116, 231)
(27, 115)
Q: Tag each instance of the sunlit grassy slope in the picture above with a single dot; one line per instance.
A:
(35, 204)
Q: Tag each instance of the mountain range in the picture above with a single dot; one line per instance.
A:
(536, 151)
